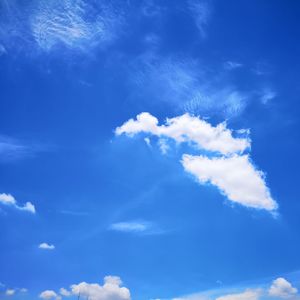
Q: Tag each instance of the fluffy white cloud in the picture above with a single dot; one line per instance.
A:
(249, 294)
(235, 176)
(49, 294)
(110, 290)
(282, 288)
(46, 246)
(187, 128)
(8, 199)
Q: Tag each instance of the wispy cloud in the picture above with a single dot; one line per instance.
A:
(12, 149)
(186, 85)
(232, 65)
(9, 200)
(137, 227)
(201, 12)
(49, 25)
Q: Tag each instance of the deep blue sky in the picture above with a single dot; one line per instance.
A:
(72, 72)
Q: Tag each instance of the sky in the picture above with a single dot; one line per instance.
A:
(149, 150)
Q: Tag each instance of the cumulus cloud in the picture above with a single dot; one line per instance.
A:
(236, 178)
(226, 168)
(111, 290)
(49, 294)
(46, 246)
(65, 292)
(187, 128)
(9, 200)
(281, 288)
(249, 294)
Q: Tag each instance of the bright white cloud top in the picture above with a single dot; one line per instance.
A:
(187, 128)
(49, 294)
(46, 246)
(9, 200)
(232, 172)
(235, 177)
(281, 288)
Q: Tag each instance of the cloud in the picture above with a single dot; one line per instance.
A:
(73, 24)
(65, 292)
(267, 95)
(185, 85)
(236, 178)
(9, 200)
(130, 226)
(281, 288)
(232, 65)
(49, 294)
(187, 128)
(110, 290)
(201, 12)
(226, 167)
(249, 294)
(10, 292)
(46, 246)
(48, 25)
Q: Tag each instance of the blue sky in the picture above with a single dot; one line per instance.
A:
(149, 150)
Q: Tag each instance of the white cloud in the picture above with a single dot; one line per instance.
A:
(187, 128)
(8, 199)
(231, 65)
(232, 172)
(267, 95)
(249, 294)
(65, 292)
(135, 227)
(236, 178)
(111, 290)
(10, 292)
(282, 288)
(73, 24)
(46, 246)
(49, 294)
(163, 146)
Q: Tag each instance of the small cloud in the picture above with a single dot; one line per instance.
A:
(49, 294)
(130, 226)
(23, 290)
(65, 292)
(163, 146)
(46, 246)
(231, 65)
(9, 200)
(10, 292)
(147, 141)
(267, 95)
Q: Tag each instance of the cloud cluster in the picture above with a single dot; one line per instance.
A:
(9, 200)
(73, 24)
(187, 128)
(111, 290)
(280, 289)
(229, 169)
